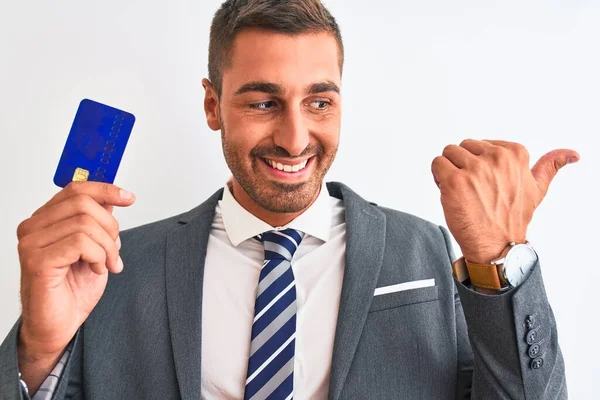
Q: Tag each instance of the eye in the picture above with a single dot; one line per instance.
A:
(320, 104)
(265, 105)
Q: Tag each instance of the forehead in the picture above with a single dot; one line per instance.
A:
(293, 61)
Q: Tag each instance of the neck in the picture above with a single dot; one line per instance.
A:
(274, 219)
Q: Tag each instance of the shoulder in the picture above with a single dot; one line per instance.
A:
(399, 224)
(151, 231)
(397, 217)
(414, 229)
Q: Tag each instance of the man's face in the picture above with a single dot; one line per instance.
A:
(280, 108)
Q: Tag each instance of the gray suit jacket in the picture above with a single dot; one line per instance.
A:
(142, 341)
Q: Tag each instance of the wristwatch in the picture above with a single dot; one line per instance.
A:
(506, 272)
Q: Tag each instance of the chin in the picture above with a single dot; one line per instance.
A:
(287, 198)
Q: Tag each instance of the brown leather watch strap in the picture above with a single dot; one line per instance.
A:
(485, 276)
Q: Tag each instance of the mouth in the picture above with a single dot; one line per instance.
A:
(286, 167)
(287, 170)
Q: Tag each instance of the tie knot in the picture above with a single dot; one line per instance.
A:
(281, 244)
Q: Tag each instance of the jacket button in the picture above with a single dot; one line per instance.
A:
(531, 336)
(537, 363)
(530, 322)
(534, 350)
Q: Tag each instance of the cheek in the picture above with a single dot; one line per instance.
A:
(327, 129)
(242, 139)
(328, 137)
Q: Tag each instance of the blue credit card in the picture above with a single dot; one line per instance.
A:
(95, 144)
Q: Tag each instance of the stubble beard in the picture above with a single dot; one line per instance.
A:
(273, 196)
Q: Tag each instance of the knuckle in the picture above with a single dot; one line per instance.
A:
(85, 221)
(22, 247)
(499, 154)
(22, 228)
(102, 258)
(517, 146)
(107, 189)
(81, 201)
(448, 149)
(79, 240)
(115, 228)
(466, 142)
(522, 151)
(76, 187)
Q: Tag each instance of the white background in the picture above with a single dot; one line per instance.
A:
(418, 76)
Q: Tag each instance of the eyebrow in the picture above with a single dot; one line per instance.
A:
(264, 87)
(323, 87)
(273, 88)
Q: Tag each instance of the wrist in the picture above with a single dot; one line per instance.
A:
(35, 364)
(34, 351)
(483, 257)
(485, 254)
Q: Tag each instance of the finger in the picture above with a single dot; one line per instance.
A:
(68, 251)
(76, 205)
(441, 169)
(547, 166)
(476, 147)
(82, 223)
(458, 156)
(501, 143)
(102, 193)
(516, 149)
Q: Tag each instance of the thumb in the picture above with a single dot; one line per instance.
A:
(548, 165)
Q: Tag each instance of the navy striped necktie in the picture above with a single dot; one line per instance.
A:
(271, 362)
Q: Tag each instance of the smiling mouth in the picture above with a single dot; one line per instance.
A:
(291, 168)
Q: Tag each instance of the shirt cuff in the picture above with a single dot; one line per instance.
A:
(46, 391)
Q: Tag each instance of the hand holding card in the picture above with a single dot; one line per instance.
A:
(70, 244)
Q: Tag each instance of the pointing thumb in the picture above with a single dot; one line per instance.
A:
(548, 165)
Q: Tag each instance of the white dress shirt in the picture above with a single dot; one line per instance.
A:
(231, 272)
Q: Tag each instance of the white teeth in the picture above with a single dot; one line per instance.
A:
(287, 168)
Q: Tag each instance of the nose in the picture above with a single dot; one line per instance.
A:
(292, 133)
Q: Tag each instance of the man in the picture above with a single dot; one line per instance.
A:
(280, 286)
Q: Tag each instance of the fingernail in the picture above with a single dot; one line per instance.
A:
(126, 195)
(119, 264)
(572, 160)
(118, 242)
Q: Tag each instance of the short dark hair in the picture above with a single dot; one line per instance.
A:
(284, 16)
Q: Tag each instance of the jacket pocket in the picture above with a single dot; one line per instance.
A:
(404, 298)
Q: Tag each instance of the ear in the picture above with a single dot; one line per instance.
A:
(211, 105)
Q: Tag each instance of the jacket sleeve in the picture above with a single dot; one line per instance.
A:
(513, 339)
(10, 386)
(62, 383)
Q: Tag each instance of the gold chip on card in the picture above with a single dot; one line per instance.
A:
(81, 174)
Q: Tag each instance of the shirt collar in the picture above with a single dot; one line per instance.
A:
(241, 225)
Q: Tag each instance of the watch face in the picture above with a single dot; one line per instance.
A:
(518, 263)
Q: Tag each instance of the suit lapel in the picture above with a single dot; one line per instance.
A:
(185, 255)
(365, 240)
